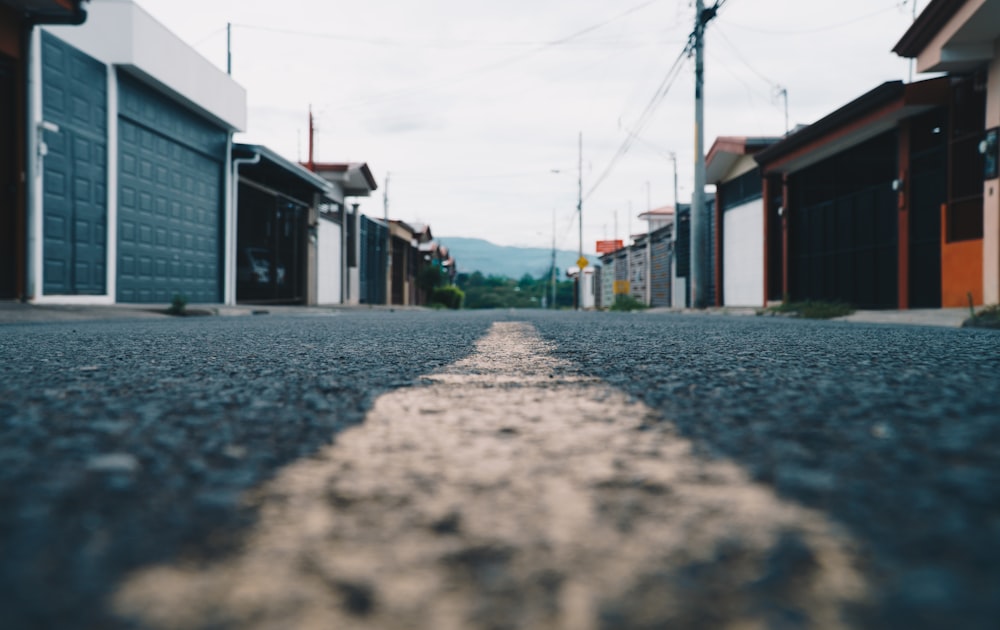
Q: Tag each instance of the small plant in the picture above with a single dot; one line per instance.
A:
(178, 305)
(625, 302)
(986, 317)
(448, 296)
(810, 309)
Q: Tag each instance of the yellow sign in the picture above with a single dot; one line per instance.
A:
(583, 262)
(621, 287)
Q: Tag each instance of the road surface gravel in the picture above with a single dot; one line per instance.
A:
(498, 470)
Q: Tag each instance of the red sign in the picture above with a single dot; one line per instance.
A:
(606, 247)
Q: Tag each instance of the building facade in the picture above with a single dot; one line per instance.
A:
(128, 178)
(962, 38)
(858, 197)
(739, 217)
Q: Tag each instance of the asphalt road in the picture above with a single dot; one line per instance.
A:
(562, 470)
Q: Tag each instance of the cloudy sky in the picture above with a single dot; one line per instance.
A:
(470, 105)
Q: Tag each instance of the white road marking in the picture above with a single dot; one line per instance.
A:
(503, 495)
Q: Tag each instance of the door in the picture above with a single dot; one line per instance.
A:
(928, 190)
(8, 180)
(74, 103)
(170, 183)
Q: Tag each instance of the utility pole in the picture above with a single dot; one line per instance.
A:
(388, 242)
(699, 214)
(628, 248)
(312, 131)
(913, 60)
(649, 246)
(553, 268)
(782, 91)
(579, 215)
(673, 234)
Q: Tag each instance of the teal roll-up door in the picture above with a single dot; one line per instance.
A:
(74, 97)
(170, 199)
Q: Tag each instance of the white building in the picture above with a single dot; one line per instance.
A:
(129, 181)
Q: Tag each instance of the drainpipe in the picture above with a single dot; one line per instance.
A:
(233, 234)
(343, 252)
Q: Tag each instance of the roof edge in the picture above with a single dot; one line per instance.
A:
(926, 27)
(871, 100)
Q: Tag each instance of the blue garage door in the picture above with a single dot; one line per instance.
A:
(170, 198)
(75, 171)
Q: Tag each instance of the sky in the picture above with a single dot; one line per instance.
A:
(473, 109)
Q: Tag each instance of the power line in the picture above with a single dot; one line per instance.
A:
(458, 43)
(492, 66)
(819, 29)
(661, 92)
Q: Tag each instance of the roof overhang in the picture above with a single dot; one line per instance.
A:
(355, 178)
(279, 174)
(726, 151)
(952, 35)
(49, 11)
(870, 115)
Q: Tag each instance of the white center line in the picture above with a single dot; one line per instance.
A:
(504, 495)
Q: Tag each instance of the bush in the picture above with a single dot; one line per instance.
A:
(178, 305)
(810, 309)
(449, 297)
(625, 302)
(986, 317)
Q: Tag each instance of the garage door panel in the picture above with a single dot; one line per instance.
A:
(157, 217)
(171, 201)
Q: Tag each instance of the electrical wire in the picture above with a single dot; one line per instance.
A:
(479, 71)
(743, 58)
(820, 29)
(661, 92)
(655, 101)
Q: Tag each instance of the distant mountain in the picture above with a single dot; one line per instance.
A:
(476, 254)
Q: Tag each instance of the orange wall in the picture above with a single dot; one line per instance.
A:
(961, 269)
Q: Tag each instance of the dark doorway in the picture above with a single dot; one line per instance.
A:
(399, 247)
(928, 190)
(8, 179)
(271, 248)
(843, 227)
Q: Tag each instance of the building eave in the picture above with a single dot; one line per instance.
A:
(926, 27)
(68, 12)
(727, 150)
(355, 178)
(873, 113)
(268, 157)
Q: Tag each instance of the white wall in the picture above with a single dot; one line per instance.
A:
(608, 284)
(743, 255)
(587, 288)
(121, 33)
(328, 262)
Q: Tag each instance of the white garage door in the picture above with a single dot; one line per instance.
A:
(743, 255)
(328, 261)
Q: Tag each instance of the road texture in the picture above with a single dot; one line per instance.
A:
(499, 470)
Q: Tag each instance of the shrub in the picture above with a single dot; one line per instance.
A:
(449, 297)
(178, 305)
(810, 309)
(625, 302)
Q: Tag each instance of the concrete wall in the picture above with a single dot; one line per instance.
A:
(991, 192)
(743, 255)
(328, 258)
